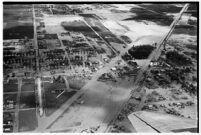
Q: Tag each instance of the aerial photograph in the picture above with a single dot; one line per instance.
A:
(89, 67)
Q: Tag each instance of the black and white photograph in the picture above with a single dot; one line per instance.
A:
(100, 67)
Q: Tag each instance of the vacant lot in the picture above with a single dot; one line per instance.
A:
(10, 87)
(27, 120)
(28, 87)
(17, 21)
(27, 100)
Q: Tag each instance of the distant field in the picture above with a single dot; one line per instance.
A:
(144, 14)
(27, 120)
(162, 8)
(10, 87)
(18, 20)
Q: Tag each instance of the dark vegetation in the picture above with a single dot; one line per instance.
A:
(143, 14)
(178, 59)
(141, 52)
(162, 8)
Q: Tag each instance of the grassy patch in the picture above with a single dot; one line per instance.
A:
(27, 120)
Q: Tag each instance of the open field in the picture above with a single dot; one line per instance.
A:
(27, 120)
(27, 100)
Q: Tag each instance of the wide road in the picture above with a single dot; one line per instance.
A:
(17, 107)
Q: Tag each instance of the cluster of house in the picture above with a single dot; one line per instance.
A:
(15, 58)
(8, 104)
(53, 59)
(7, 122)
